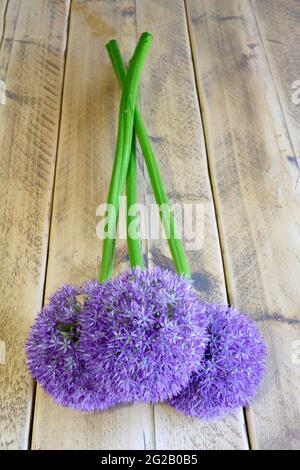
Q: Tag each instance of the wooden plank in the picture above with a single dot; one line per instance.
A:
(278, 23)
(86, 151)
(257, 200)
(170, 106)
(87, 139)
(32, 70)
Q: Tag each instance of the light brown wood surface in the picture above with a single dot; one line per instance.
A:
(257, 200)
(216, 98)
(32, 36)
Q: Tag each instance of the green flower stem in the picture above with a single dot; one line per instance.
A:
(123, 148)
(134, 247)
(175, 245)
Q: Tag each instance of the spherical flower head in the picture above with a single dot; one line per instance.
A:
(143, 333)
(231, 369)
(53, 355)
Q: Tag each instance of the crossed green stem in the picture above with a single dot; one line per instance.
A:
(175, 245)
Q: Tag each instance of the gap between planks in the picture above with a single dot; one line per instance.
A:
(68, 18)
(188, 46)
(272, 75)
(213, 192)
(284, 432)
(3, 20)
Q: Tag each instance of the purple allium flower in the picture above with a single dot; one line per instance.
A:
(231, 369)
(143, 333)
(53, 355)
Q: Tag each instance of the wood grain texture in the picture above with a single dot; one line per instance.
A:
(279, 26)
(85, 156)
(87, 139)
(257, 199)
(32, 41)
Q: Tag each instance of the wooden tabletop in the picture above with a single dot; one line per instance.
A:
(220, 98)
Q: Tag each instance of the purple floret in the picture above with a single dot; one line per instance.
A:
(143, 333)
(231, 369)
(53, 355)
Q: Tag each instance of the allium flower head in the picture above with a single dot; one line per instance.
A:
(53, 351)
(231, 369)
(143, 333)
